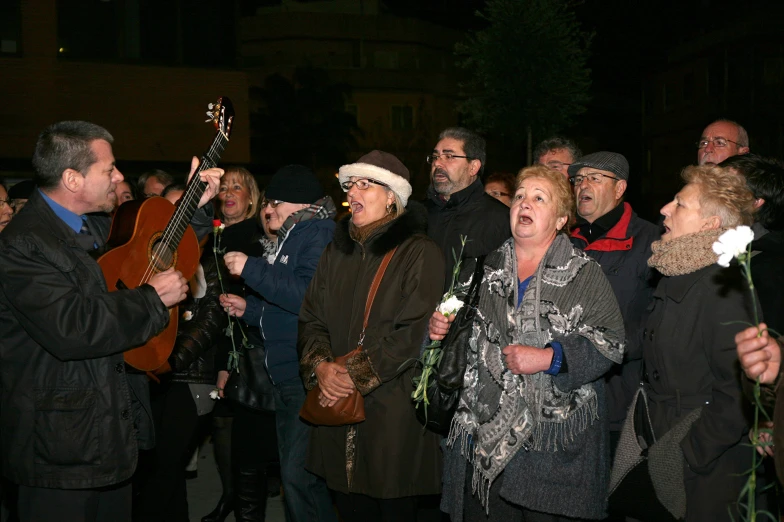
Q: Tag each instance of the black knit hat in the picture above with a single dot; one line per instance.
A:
(294, 184)
(22, 190)
(609, 161)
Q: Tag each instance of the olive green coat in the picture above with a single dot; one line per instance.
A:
(393, 456)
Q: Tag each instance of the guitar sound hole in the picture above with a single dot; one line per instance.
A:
(162, 256)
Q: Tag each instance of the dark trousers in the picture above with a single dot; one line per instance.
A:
(109, 504)
(162, 494)
(306, 496)
(254, 448)
(361, 508)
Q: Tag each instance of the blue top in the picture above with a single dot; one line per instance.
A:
(282, 286)
(558, 354)
(74, 221)
(522, 286)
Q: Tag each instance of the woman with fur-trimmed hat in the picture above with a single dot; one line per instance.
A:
(379, 465)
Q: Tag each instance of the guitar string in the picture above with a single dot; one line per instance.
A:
(189, 197)
(165, 242)
(178, 218)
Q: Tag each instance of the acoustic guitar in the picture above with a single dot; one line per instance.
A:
(150, 236)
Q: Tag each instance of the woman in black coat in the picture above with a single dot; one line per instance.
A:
(246, 435)
(693, 386)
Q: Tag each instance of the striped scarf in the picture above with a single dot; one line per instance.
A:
(324, 208)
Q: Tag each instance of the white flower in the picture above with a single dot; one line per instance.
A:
(732, 243)
(450, 306)
(222, 227)
(214, 395)
(187, 316)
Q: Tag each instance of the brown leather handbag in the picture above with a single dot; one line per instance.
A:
(351, 409)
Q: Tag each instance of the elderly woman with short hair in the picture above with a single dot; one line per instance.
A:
(529, 440)
(693, 387)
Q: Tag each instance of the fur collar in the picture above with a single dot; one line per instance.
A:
(391, 235)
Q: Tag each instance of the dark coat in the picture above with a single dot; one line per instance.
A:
(282, 287)
(623, 254)
(193, 357)
(470, 212)
(65, 416)
(691, 362)
(394, 457)
(766, 270)
(239, 237)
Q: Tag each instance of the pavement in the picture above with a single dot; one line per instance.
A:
(204, 491)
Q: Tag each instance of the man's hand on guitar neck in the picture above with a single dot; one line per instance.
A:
(170, 285)
(209, 176)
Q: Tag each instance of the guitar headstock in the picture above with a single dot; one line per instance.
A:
(221, 114)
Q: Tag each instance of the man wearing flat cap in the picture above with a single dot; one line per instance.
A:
(609, 231)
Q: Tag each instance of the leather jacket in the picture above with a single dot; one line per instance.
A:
(193, 357)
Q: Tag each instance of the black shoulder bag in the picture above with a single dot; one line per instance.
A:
(443, 392)
(249, 384)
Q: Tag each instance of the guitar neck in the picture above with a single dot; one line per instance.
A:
(193, 193)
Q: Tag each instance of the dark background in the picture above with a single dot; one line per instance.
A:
(661, 71)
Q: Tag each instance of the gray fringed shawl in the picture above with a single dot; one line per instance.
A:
(500, 412)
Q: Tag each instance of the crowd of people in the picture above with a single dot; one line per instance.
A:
(589, 319)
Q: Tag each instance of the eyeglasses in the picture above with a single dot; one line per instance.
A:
(719, 143)
(593, 179)
(557, 165)
(448, 156)
(274, 203)
(10, 202)
(498, 193)
(362, 184)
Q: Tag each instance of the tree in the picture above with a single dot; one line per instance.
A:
(528, 69)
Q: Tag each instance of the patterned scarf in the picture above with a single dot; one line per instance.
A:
(321, 209)
(685, 254)
(500, 412)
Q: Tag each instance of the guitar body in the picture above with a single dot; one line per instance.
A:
(139, 251)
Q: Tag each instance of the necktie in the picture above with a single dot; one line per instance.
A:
(85, 237)
(85, 229)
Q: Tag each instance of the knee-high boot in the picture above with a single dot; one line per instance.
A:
(250, 502)
(221, 443)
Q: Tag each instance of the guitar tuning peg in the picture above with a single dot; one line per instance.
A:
(210, 106)
(208, 120)
(210, 115)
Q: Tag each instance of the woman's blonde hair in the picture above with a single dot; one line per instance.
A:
(562, 191)
(247, 180)
(722, 193)
(397, 207)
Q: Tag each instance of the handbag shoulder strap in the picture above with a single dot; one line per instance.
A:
(373, 289)
(472, 298)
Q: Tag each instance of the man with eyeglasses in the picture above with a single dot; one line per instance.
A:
(721, 140)
(557, 153)
(456, 201)
(609, 231)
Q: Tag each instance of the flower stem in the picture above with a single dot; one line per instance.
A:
(234, 355)
(751, 483)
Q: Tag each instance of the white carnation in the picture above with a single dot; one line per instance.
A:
(732, 243)
(214, 395)
(450, 306)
